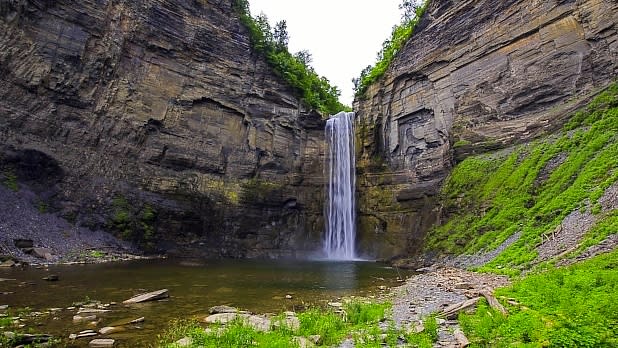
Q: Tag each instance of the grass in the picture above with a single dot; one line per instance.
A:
(576, 306)
(490, 197)
(360, 322)
(10, 180)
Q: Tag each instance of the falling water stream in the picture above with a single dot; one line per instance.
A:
(340, 214)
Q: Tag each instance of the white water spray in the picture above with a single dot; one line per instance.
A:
(340, 213)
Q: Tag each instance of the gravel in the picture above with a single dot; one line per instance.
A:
(20, 219)
(433, 291)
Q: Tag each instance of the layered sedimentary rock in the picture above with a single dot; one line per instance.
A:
(477, 75)
(155, 120)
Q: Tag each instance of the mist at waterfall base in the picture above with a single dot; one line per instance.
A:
(339, 210)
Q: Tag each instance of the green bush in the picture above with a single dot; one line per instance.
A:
(314, 90)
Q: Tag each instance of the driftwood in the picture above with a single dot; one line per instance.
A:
(451, 311)
(462, 340)
(493, 302)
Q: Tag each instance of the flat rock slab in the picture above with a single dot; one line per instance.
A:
(101, 342)
(150, 296)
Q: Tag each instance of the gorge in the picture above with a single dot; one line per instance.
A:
(488, 143)
(108, 130)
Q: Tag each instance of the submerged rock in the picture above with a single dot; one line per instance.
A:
(101, 343)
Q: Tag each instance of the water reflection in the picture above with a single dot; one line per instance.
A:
(339, 275)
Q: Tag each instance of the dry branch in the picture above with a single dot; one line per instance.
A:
(493, 302)
(451, 311)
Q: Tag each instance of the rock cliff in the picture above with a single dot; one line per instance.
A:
(477, 75)
(155, 120)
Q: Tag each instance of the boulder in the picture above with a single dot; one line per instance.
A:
(43, 253)
(222, 309)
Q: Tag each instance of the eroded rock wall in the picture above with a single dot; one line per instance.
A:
(476, 76)
(165, 125)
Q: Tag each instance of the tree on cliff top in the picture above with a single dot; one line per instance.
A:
(413, 10)
(314, 90)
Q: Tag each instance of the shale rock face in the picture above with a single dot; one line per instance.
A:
(155, 120)
(477, 75)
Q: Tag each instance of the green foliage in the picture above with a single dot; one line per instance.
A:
(97, 254)
(364, 313)
(133, 224)
(314, 90)
(10, 180)
(427, 337)
(563, 307)
(494, 196)
(399, 36)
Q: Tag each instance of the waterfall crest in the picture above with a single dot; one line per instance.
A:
(340, 215)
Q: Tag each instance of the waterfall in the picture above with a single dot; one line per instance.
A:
(340, 216)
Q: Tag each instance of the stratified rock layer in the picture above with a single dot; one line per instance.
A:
(477, 75)
(155, 120)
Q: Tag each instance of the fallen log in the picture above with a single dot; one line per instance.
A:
(451, 311)
(493, 302)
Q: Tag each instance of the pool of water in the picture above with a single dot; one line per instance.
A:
(194, 285)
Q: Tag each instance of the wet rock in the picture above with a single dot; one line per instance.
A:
(222, 309)
(83, 318)
(101, 343)
(92, 311)
(137, 321)
(7, 263)
(110, 329)
(86, 334)
(150, 296)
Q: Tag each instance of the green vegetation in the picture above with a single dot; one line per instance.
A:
(575, 306)
(134, 223)
(314, 90)
(399, 36)
(10, 180)
(532, 189)
(359, 322)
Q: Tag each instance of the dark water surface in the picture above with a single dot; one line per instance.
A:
(256, 285)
